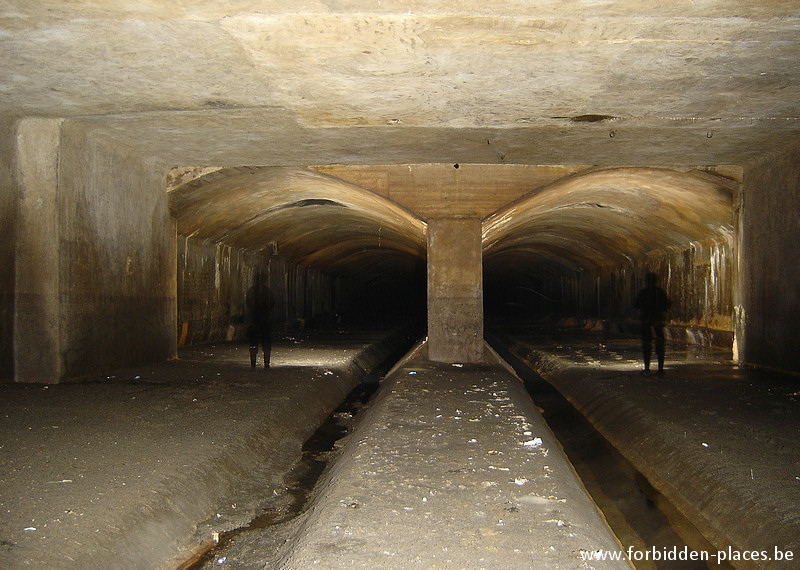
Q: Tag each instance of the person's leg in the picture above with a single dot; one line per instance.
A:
(266, 343)
(252, 339)
(647, 345)
(659, 328)
(253, 354)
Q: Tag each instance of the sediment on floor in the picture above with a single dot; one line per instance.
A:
(450, 466)
(717, 440)
(117, 472)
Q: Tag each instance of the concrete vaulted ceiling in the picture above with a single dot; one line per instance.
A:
(607, 217)
(310, 218)
(354, 84)
(584, 219)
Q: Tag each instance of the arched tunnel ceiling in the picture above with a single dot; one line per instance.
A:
(586, 219)
(607, 217)
(312, 218)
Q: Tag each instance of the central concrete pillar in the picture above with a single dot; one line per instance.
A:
(455, 290)
(37, 356)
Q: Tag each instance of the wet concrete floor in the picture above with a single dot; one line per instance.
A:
(120, 471)
(447, 467)
(717, 441)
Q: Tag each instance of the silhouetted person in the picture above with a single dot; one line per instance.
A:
(652, 303)
(259, 319)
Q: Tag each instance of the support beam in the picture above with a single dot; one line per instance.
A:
(455, 290)
(767, 296)
(36, 302)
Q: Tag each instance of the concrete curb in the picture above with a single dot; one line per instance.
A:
(728, 514)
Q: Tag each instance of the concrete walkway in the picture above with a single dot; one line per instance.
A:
(451, 467)
(718, 440)
(118, 471)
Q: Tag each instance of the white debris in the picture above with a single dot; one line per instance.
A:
(535, 442)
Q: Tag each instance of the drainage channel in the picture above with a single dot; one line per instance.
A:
(317, 452)
(638, 514)
(258, 543)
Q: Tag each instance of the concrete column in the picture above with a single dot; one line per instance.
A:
(36, 281)
(455, 290)
(8, 232)
(767, 305)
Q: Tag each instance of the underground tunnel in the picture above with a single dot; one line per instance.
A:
(566, 243)
(454, 207)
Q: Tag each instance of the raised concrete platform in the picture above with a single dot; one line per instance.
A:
(718, 440)
(452, 466)
(117, 472)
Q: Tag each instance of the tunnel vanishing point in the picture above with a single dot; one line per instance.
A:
(476, 163)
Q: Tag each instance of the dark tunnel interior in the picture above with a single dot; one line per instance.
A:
(344, 250)
(219, 219)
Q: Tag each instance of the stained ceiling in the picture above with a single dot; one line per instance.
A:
(283, 102)
(310, 218)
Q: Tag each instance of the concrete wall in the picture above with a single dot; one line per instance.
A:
(37, 322)
(699, 280)
(213, 280)
(768, 304)
(8, 212)
(303, 296)
(117, 251)
(87, 250)
(212, 284)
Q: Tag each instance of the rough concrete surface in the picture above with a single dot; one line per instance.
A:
(451, 467)
(718, 440)
(117, 472)
(546, 79)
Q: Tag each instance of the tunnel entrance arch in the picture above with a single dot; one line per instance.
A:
(580, 246)
(333, 250)
(571, 242)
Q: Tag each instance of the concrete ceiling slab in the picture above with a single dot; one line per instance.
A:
(365, 90)
(340, 75)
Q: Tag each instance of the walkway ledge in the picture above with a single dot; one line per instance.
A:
(452, 466)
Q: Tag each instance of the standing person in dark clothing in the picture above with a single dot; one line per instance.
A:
(652, 303)
(259, 312)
